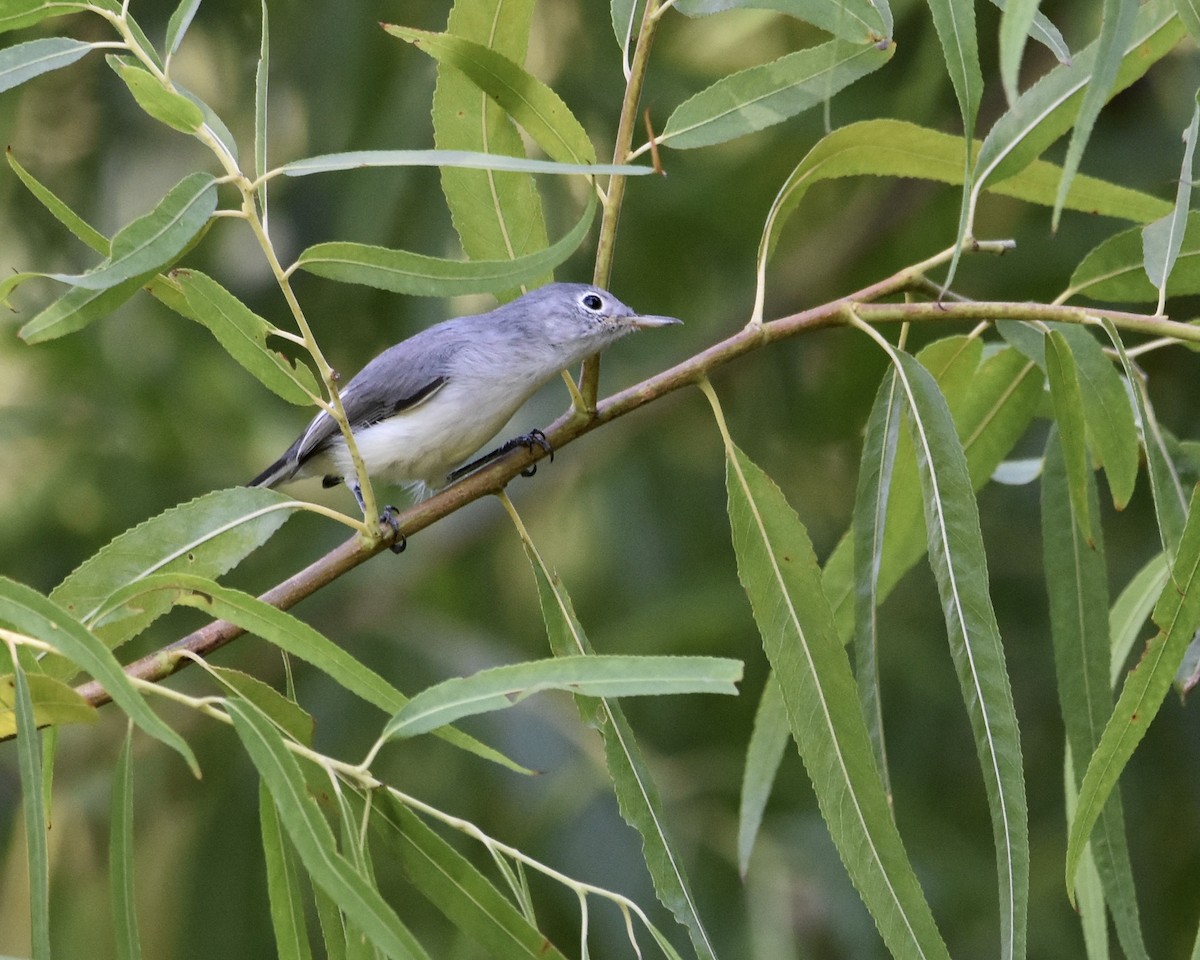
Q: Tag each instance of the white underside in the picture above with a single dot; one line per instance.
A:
(425, 443)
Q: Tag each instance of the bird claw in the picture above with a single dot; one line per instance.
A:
(534, 438)
(388, 519)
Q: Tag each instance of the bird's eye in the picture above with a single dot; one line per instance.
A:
(592, 302)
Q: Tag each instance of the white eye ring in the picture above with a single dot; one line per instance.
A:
(591, 302)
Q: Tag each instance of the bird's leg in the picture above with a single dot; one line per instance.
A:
(534, 438)
(387, 519)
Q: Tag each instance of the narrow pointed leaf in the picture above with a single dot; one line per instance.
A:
(993, 402)
(206, 538)
(178, 25)
(1177, 614)
(1115, 268)
(1089, 894)
(1015, 26)
(1163, 239)
(309, 833)
(283, 885)
(1116, 27)
(1189, 14)
(1068, 412)
(289, 634)
(1111, 430)
(637, 795)
(154, 240)
(120, 855)
(768, 741)
(79, 227)
(34, 57)
(770, 93)
(622, 15)
(779, 573)
(1076, 580)
(159, 101)
(29, 762)
(403, 272)
(78, 307)
(859, 21)
(954, 21)
(959, 564)
(870, 519)
(1170, 500)
(895, 148)
(1048, 109)
(499, 688)
(15, 14)
(1132, 609)
(1045, 33)
(25, 610)
(243, 334)
(454, 159)
(460, 891)
(286, 714)
(532, 104)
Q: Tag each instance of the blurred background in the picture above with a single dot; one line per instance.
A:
(142, 411)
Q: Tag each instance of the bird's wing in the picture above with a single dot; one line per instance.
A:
(364, 406)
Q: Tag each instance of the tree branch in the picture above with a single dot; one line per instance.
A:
(568, 427)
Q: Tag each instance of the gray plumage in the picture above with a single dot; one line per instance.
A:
(423, 406)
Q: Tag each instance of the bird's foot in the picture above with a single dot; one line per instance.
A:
(388, 519)
(534, 438)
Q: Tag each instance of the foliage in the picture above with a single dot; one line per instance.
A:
(1033, 390)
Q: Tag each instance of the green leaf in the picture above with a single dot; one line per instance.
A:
(178, 25)
(60, 211)
(637, 795)
(770, 93)
(25, 610)
(402, 272)
(895, 148)
(15, 14)
(993, 403)
(53, 702)
(1116, 27)
(156, 98)
(959, 563)
(312, 838)
(1189, 14)
(1068, 412)
(454, 159)
(78, 307)
(1076, 580)
(120, 855)
(496, 216)
(283, 886)
(859, 21)
(1169, 499)
(291, 635)
(875, 473)
(954, 21)
(1177, 614)
(261, 80)
(1131, 610)
(1115, 269)
(1111, 429)
(499, 688)
(1015, 26)
(29, 762)
(532, 104)
(768, 741)
(206, 537)
(452, 884)
(286, 714)
(243, 334)
(1163, 239)
(35, 57)
(1048, 109)
(156, 239)
(780, 575)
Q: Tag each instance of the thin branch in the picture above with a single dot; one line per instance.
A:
(495, 476)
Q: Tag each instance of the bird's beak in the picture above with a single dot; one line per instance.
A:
(650, 320)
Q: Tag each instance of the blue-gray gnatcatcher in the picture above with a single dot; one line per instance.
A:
(423, 406)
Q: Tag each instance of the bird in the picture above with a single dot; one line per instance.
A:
(421, 407)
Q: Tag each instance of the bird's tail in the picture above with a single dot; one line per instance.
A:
(280, 471)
